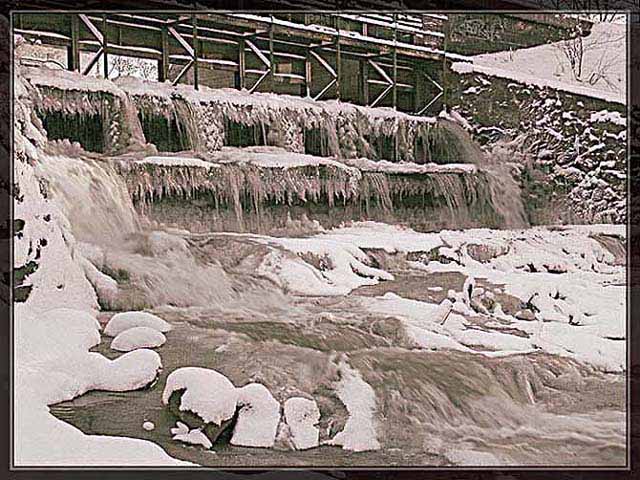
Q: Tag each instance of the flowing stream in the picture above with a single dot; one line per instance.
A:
(162, 232)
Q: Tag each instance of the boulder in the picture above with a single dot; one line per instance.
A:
(258, 417)
(138, 337)
(126, 320)
(302, 416)
(202, 399)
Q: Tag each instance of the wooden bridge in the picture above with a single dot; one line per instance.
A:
(376, 59)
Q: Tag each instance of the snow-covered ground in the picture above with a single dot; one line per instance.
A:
(604, 69)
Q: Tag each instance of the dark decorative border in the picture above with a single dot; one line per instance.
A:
(633, 238)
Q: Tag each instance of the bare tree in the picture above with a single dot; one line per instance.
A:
(133, 67)
(573, 50)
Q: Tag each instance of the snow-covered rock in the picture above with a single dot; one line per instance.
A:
(258, 417)
(138, 337)
(126, 320)
(131, 371)
(207, 393)
(302, 415)
(359, 433)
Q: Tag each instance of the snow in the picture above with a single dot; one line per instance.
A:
(180, 429)
(385, 166)
(55, 327)
(138, 337)
(607, 116)
(126, 320)
(106, 287)
(592, 287)
(131, 371)
(176, 161)
(344, 269)
(208, 393)
(258, 417)
(302, 415)
(546, 66)
(194, 437)
(359, 433)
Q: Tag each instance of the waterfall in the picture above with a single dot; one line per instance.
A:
(146, 118)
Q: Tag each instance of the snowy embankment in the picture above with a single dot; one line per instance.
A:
(55, 328)
(604, 63)
(573, 285)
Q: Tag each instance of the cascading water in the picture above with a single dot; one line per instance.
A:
(299, 308)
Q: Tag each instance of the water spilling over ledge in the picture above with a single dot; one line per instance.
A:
(263, 155)
(248, 190)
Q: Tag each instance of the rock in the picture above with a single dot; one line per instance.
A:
(556, 268)
(126, 320)
(258, 417)
(485, 253)
(194, 422)
(202, 399)
(302, 415)
(148, 426)
(138, 337)
(131, 371)
(526, 314)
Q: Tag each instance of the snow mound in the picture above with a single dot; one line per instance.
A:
(194, 437)
(359, 433)
(126, 320)
(208, 393)
(138, 337)
(131, 371)
(258, 417)
(302, 415)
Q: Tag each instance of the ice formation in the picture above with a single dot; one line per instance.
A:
(359, 433)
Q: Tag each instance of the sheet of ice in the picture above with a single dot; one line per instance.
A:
(138, 337)
(125, 320)
(194, 437)
(359, 433)
(208, 393)
(391, 238)
(302, 415)
(258, 417)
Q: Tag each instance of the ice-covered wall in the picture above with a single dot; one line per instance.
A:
(573, 148)
(376, 159)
